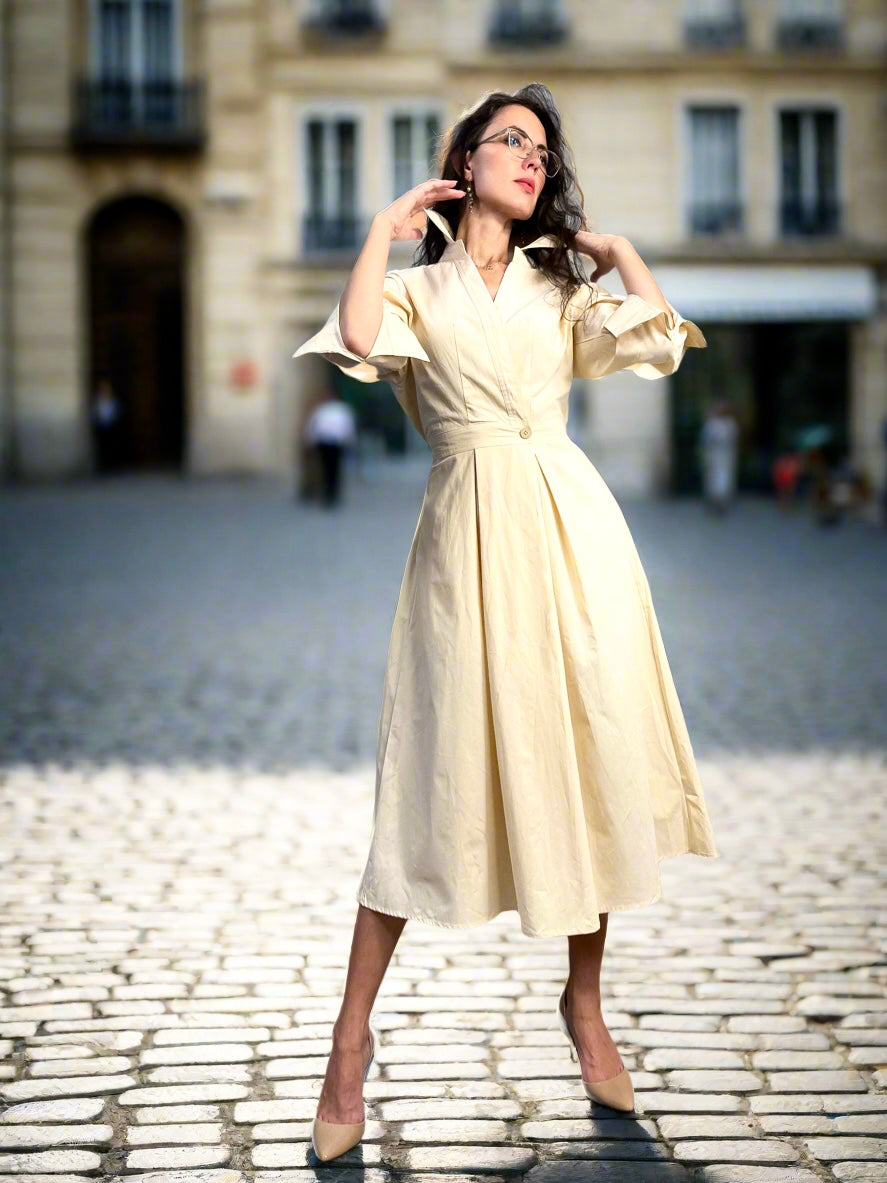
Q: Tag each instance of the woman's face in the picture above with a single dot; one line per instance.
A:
(501, 180)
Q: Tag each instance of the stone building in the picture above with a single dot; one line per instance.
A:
(185, 183)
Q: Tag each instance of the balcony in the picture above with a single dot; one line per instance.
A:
(120, 114)
(518, 26)
(715, 217)
(322, 233)
(810, 219)
(344, 19)
(715, 33)
(807, 33)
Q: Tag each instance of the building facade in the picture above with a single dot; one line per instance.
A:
(185, 184)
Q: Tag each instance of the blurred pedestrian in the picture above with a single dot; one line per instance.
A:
(106, 417)
(786, 475)
(331, 429)
(719, 443)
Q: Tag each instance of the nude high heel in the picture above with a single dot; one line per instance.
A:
(616, 1092)
(329, 1139)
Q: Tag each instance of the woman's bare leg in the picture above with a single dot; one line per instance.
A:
(599, 1057)
(375, 936)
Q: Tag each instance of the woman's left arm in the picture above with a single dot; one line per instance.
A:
(614, 250)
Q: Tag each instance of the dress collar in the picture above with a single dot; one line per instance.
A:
(544, 240)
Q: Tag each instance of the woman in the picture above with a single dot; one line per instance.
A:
(532, 752)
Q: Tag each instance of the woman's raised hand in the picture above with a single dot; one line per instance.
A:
(603, 249)
(406, 214)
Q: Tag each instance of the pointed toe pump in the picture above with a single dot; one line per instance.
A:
(616, 1092)
(329, 1139)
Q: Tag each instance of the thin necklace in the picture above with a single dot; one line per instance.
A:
(491, 265)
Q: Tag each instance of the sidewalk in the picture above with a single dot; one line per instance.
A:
(185, 804)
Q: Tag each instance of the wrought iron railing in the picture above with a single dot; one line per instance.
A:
(715, 217)
(122, 113)
(515, 25)
(810, 218)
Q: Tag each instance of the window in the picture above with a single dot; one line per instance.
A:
(714, 24)
(715, 204)
(808, 144)
(135, 40)
(413, 149)
(528, 23)
(809, 24)
(331, 146)
(136, 64)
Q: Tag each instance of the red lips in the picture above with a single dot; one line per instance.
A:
(528, 185)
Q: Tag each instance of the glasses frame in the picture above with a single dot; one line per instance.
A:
(534, 150)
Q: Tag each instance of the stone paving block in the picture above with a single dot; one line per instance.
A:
(793, 1124)
(676, 1127)
(451, 1108)
(197, 1074)
(210, 1036)
(51, 1162)
(743, 1150)
(608, 1172)
(508, 1159)
(453, 1130)
(183, 1093)
(197, 1053)
(178, 1133)
(39, 1178)
(599, 1150)
(857, 1172)
(100, 1066)
(354, 1174)
(816, 1082)
(714, 1080)
(691, 1058)
(35, 1137)
(68, 1109)
(176, 1158)
(70, 1086)
(838, 1149)
(665, 1102)
(734, 1173)
(218, 1175)
(871, 1123)
(281, 1131)
(151, 1114)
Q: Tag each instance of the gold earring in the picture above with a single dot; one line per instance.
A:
(470, 192)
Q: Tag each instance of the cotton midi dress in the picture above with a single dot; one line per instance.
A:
(532, 750)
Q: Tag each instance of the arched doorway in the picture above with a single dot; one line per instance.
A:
(136, 251)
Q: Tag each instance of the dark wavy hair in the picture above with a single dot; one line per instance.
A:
(559, 210)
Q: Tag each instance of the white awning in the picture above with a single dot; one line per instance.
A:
(758, 292)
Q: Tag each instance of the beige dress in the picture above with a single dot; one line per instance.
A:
(532, 751)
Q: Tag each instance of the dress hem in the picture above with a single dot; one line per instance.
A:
(363, 899)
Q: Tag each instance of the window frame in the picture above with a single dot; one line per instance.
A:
(137, 58)
(797, 104)
(690, 103)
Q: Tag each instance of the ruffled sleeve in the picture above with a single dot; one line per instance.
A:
(390, 356)
(617, 332)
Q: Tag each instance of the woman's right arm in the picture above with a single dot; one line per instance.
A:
(360, 308)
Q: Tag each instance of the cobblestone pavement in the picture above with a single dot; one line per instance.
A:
(191, 687)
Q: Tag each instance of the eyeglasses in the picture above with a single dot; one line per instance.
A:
(520, 145)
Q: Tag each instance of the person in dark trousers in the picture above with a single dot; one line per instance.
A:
(331, 429)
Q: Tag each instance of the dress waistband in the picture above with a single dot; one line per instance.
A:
(449, 438)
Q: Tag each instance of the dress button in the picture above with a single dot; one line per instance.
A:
(525, 432)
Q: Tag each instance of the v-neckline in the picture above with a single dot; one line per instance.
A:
(456, 251)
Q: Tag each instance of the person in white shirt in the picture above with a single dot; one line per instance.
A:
(719, 446)
(331, 428)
